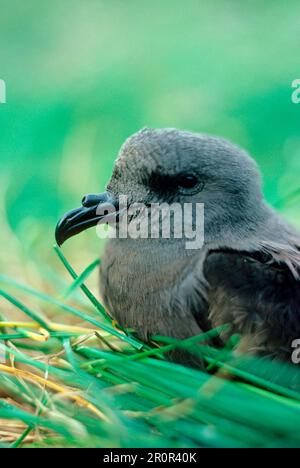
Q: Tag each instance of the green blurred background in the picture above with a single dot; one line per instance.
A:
(82, 76)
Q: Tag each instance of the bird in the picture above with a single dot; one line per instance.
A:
(246, 274)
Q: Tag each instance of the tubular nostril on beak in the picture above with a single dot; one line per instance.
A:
(91, 200)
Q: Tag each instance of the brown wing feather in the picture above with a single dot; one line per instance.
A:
(258, 296)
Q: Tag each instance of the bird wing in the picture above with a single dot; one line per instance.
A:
(258, 294)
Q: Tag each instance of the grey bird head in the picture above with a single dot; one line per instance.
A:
(169, 165)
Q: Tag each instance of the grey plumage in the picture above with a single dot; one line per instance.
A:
(246, 274)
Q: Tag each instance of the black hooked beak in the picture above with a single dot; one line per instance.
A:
(100, 208)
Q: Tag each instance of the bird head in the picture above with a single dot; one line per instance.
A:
(158, 166)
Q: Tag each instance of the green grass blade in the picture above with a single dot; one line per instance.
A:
(78, 282)
(84, 288)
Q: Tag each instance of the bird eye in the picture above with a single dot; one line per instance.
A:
(187, 181)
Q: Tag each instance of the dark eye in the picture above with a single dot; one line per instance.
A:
(184, 183)
(187, 181)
